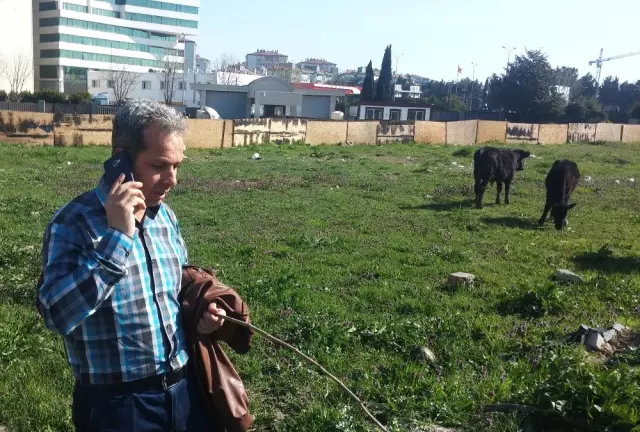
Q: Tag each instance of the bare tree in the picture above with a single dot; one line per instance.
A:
(122, 81)
(172, 75)
(225, 66)
(17, 73)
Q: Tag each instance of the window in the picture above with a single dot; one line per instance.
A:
(160, 20)
(49, 85)
(95, 83)
(105, 12)
(46, 6)
(394, 114)
(103, 58)
(76, 8)
(110, 84)
(50, 37)
(47, 71)
(416, 114)
(156, 5)
(84, 40)
(373, 114)
(146, 85)
(87, 25)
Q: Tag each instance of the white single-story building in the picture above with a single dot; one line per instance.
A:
(393, 110)
(268, 97)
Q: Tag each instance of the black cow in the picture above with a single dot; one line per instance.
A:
(561, 181)
(496, 165)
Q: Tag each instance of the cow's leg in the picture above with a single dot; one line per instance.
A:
(507, 190)
(547, 207)
(480, 187)
(499, 189)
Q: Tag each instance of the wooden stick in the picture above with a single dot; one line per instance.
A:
(307, 358)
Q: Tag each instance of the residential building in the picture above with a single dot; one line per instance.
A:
(265, 59)
(268, 97)
(152, 85)
(394, 110)
(16, 48)
(203, 65)
(318, 65)
(412, 92)
(72, 37)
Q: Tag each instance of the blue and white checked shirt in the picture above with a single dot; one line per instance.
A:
(114, 298)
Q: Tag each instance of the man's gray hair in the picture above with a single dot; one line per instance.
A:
(131, 120)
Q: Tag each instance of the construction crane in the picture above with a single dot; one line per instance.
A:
(598, 62)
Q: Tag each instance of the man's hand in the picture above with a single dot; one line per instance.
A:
(209, 322)
(123, 201)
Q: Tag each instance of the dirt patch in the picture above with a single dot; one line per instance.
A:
(628, 340)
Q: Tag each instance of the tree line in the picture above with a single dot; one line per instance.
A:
(528, 90)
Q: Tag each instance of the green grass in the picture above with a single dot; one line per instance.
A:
(343, 252)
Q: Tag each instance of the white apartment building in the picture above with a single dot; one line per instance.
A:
(414, 92)
(72, 37)
(152, 85)
(16, 46)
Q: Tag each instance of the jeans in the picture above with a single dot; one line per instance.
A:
(179, 408)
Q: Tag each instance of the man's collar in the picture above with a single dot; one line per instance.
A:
(103, 189)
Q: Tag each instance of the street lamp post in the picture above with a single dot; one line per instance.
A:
(473, 81)
(508, 54)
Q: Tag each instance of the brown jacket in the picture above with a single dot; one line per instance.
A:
(220, 384)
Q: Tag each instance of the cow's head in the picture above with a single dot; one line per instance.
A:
(559, 214)
(521, 155)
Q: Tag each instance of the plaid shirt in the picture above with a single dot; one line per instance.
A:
(114, 298)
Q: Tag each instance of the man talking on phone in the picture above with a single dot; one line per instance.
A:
(112, 269)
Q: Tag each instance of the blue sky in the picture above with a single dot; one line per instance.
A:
(429, 37)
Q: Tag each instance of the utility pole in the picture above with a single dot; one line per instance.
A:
(508, 54)
(472, 84)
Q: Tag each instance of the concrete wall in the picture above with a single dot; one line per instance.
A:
(631, 133)
(608, 132)
(553, 134)
(581, 132)
(363, 132)
(251, 131)
(395, 133)
(326, 132)
(462, 132)
(286, 131)
(489, 131)
(430, 132)
(203, 133)
(26, 127)
(523, 133)
(78, 130)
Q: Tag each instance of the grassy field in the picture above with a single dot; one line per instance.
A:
(344, 252)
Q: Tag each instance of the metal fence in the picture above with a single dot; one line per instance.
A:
(18, 106)
(84, 108)
(448, 116)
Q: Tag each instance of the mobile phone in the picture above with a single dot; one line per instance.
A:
(119, 163)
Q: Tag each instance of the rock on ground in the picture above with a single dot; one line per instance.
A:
(423, 354)
(568, 276)
(461, 278)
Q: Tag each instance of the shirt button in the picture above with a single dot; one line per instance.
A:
(168, 327)
(160, 294)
